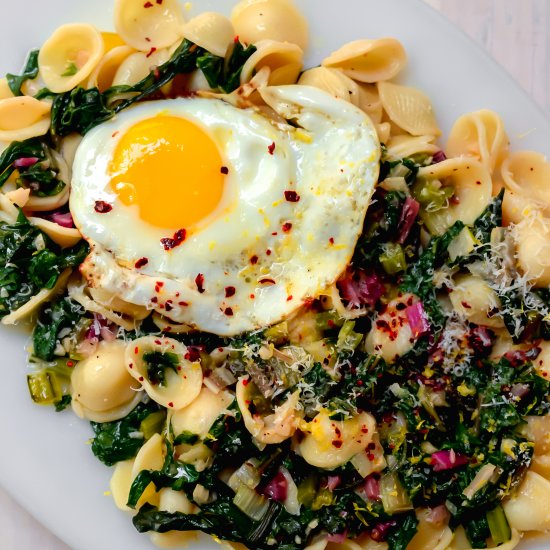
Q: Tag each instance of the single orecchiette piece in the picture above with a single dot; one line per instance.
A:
(283, 59)
(475, 300)
(384, 131)
(137, 66)
(121, 482)
(47, 204)
(69, 56)
(211, 31)
(150, 457)
(517, 206)
(33, 305)
(532, 236)
(369, 60)
(409, 108)
(256, 20)
(527, 173)
(103, 75)
(472, 192)
(23, 118)
(461, 542)
(332, 81)
(201, 413)
(272, 428)
(391, 336)
(404, 146)
(430, 536)
(161, 367)
(480, 135)
(147, 25)
(102, 389)
(529, 508)
(330, 443)
(63, 236)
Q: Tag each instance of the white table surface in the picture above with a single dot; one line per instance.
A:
(515, 32)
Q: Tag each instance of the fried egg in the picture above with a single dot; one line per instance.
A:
(220, 217)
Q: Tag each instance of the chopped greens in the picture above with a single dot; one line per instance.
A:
(30, 71)
(158, 363)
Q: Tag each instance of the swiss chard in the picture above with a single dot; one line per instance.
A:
(158, 363)
(121, 439)
(31, 261)
(30, 71)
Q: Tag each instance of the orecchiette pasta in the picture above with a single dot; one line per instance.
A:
(329, 443)
(409, 108)
(104, 73)
(369, 60)
(369, 101)
(63, 236)
(474, 299)
(47, 204)
(283, 59)
(430, 536)
(272, 428)
(211, 31)
(527, 174)
(102, 389)
(481, 135)
(391, 336)
(332, 81)
(136, 66)
(471, 183)
(69, 56)
(201, 413)
(529, 508)
(23, 118)
(532, 237)
(256, 20)
(406, 146)
(150, 457)
(121, 482)
(147, 25)
(175, 381)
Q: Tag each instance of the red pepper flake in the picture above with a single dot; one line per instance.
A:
(70, 363)
(254, 260)
(179, 368)
(228, 311)
(147, 39)
(292, 196)
(245, 382)
(154, 299)
(158, 342)
(148, 5)
(337, 431)
(151, 52)
(131, 365)
(337, 443)
(199, 281)
(115, 134)
(168, 305)
(274, 233)
(171, 405)
(267, 281)
(287, 227)
(331, 240)
(159, 2)
(102, 207)
(268, 252)
(252, 296)
(141, 262)
(364, 429)
(289, 298)
(169, 243)
(183, 304)
(224, 170)
(236, 39)
(466, 305)
(271, 148)
(136, 350)
(230, 291)
(141, 378)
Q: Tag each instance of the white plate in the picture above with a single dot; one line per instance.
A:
(45, 462)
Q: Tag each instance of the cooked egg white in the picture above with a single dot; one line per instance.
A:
(216, 216)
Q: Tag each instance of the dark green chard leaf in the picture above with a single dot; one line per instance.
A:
(158, 363)
(64, 313)
(419, 277)
(225, 74)
(30, 71)
(489, 219)
(31, 262)
(63, 403)
(120, 440)
(403, 532)
(16, 150)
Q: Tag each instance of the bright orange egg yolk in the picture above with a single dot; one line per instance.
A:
(170, 169)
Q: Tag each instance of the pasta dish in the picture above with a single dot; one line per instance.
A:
(294, 314)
